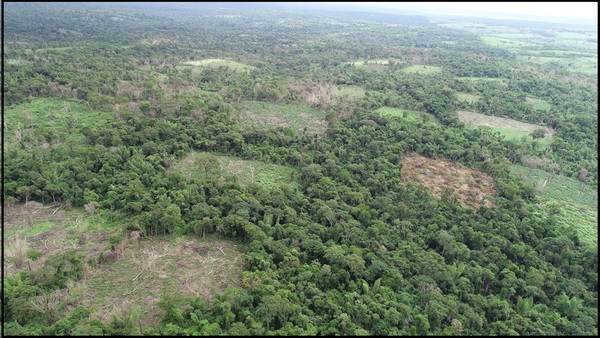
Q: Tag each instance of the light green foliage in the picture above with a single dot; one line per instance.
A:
(261, 115)
(470, 98)
(576, 203)
(36, 229)
(216, 63)
(406, 114)
(421, 70)
(51, 120)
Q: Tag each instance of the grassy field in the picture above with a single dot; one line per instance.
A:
(423, 70)
(50, 120)
(507, 43)
(377, 64)
(470, 98)
(559, 187)
(581, 64)
(220, 62)
(266, 174)
(508, 127)
(474, 78)
(538, 104)
(410, 115)
(353, 92)
(578, 202)
(262, 115)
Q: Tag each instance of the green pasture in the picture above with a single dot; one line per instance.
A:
(575, 203)
(268, 175)
(255, 114)
(220, 63)
(51, 120)
(407, 114)
(466, 97)
(507, 43)
(538, 104)
(421, 69)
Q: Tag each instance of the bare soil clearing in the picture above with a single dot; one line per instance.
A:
(469, 186)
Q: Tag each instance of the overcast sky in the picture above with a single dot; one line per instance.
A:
(584, 10)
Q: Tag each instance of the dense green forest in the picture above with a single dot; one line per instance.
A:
(307, 148)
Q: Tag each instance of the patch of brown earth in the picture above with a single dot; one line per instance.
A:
(470, 187)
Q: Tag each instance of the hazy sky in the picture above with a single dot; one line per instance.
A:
(585, 10)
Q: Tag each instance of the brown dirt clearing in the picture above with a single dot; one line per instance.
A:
(469, 186)
(146, 270)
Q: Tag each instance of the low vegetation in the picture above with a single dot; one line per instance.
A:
(470, 187)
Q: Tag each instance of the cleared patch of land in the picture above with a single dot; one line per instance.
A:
(576, 202)
(50, 121)
(407, 114)
(260, 115)
(145, 272)
(466, 97)
(506, 43)
(160, 267)
(220, 62)
(377, 64)
(471, 187)
(538, 104)
(268, 175)
(501, 123)
(420, 69)
(558, 187)
(475, 78)
(583, 64)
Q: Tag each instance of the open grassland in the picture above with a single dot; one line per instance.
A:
(558, 187)
(475, 78)
(352, 92)
(503, 125)
(471, 187)
(507, 43)
(466, 97)
(268, 175)
(583, 218)
(378, 64)
(538, 104)
(583, 65)
(220, 62)
(50, 121)
(576, 35)
(575, 203)
(559, 53)
(260, 115)
(421, 69)
(145, 272)
(407, 114)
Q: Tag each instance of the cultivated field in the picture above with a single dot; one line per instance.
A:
(466, 97)
(266, 174)
(407, 114)
(576, 202)
(423, 70)
(220, 62)
(471, 187)
(501, 123)
(260, 115)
